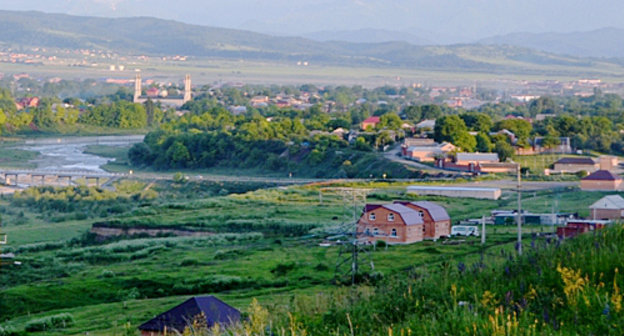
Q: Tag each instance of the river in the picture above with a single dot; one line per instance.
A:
(67, 153)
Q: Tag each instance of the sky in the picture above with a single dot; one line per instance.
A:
(444, 20)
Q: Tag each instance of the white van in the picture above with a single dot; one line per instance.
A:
(464, 230)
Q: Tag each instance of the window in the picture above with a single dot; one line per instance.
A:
(367, 232)
(390, 216)
(421, 213)
(371, 216)
(394, 233)
(375, 232)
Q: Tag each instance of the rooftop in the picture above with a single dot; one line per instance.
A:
(578, 161)
(602, 175)
(609, 202)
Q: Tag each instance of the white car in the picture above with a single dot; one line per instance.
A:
(464, 230)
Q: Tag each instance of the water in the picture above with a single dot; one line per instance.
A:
(67, 154)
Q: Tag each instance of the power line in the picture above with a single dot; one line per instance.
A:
(354, 257)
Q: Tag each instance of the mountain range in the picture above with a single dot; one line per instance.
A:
(145, 35)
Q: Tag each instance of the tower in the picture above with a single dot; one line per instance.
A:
(137, 87)
(187, 88)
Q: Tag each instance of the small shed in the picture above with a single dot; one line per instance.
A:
(204, 309)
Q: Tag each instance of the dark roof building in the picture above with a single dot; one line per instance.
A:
(602, 175)
(576, 161)
(601, 180)
(208, 308)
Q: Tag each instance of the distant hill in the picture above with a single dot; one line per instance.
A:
(143, 35)
(606, 42)
(367, 36)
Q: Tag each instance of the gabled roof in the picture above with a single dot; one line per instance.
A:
(371, 120)
(437, 212)
(409, 215)
(576, 160)
(609, 202)
(602, 175)
(182, 315)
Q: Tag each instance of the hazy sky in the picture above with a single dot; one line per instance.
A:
(459, 20)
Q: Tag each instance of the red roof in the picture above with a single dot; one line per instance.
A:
(372, 120)
(602, 175)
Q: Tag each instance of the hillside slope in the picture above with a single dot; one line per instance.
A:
(144, 35)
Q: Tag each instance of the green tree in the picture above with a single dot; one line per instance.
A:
(390, 121)
(478, 122)
(504, 150)
(178, 155)
(452, 128)
(484, 144)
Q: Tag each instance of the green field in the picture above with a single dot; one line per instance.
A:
(260, 250)
(11, 157)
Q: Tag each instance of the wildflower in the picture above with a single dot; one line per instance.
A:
(573, 282)
(606, 310)
(616, 298)
(461, 267)
(487, 299)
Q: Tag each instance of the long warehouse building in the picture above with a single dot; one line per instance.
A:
(468, 192)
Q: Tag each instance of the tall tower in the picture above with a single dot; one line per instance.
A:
(187, 88)
(137, 87)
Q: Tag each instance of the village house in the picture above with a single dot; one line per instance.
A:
(437, 220)
(26, 102)
(426, 124)
(207, 310)
(601, 180)
(429, 153)
(404, 222)
(369, 122)
(392, 223)
(424, 149)
(608, 207)
(575, 164)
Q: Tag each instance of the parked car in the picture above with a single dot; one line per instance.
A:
(464, 230)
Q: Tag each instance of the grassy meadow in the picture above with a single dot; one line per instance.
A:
(264, 245)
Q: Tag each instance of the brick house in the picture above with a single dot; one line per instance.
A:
(601, 180)
(437, 221)
(392, 223)
(370, 122)
(608, 207)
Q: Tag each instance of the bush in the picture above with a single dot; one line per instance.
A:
(9, 331)
(283, 269)
(58, 321)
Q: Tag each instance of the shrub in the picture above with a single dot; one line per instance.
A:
(58, 321)
(283, 269)
(9, 331)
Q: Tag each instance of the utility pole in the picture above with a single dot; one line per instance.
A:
(519, 218)
(354, 252)
(482, 230)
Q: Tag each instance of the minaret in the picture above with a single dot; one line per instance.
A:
(187, 88)
(137, 87)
